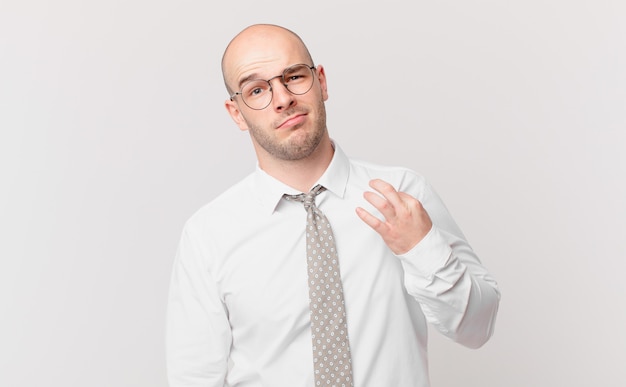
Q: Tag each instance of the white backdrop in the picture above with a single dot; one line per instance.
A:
(112, 132)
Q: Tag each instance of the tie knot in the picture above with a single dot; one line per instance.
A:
(307, 198)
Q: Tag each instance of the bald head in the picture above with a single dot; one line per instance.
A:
(257, 45)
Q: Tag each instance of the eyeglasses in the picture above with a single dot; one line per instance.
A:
(257, 93)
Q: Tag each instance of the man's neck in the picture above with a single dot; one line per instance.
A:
(300, 174)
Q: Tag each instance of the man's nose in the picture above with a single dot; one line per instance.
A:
(282, 98)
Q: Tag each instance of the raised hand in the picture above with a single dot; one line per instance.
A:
(406, 222)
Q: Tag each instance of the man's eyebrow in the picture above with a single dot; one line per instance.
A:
(247, 78)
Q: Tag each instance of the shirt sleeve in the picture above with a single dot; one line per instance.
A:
(198, 336)
(456, 293)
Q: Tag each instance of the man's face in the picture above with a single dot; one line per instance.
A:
(291, 126)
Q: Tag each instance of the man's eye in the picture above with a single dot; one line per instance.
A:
(255, 91)
(297, 77)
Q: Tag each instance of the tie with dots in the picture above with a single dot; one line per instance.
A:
(329, 332)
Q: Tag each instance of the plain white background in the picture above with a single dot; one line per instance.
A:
(113, 132)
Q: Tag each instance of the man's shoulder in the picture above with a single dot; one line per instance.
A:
(366, 164)
(395, 174)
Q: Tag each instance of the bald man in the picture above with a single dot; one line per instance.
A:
(243, 306)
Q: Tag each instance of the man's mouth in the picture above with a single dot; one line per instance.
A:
(292, 121)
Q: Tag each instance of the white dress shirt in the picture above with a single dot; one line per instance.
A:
(238, 312)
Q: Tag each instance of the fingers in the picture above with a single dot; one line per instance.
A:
(370, 220)
(388, 192)
(381, 204)
(391, 203)
(405, 221)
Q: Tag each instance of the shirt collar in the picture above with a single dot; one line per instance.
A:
(270, 191)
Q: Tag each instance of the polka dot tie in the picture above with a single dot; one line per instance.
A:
(332, 363)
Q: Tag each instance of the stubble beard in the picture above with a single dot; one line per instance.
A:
(299, 145)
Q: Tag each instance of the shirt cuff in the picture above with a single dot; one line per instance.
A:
(428, 256)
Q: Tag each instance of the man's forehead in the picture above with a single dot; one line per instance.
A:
(246, 59)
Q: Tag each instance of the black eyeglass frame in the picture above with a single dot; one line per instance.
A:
(312, 68)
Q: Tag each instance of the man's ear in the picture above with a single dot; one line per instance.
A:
(321, 75)
(235, 114)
